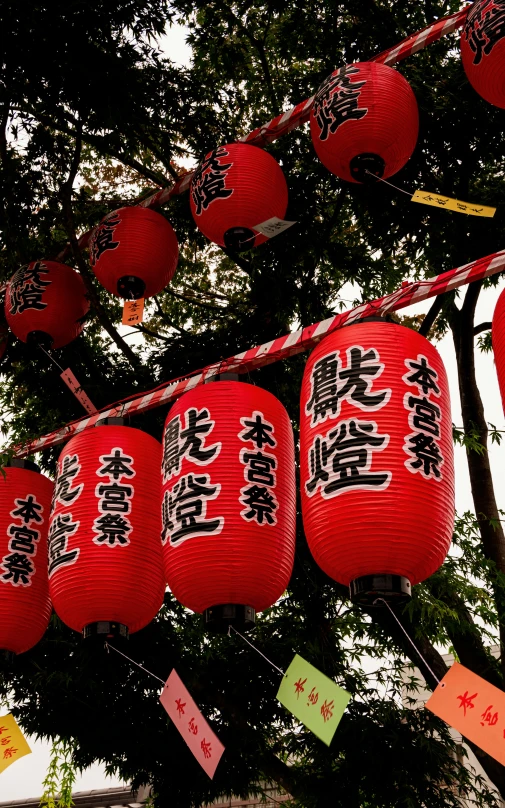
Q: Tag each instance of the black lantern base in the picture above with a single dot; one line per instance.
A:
(105, 629)
(40, 338)
(362, 165)
(130, 287)
(391, 588)
(239, 239)
(218, 618)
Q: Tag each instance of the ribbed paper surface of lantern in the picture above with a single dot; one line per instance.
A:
(134, 242)
(483, 50)
(376, 454)
(362, 109)
(104, 539)
(228, 497)
(237, 185)
(498, 336)
(25, 608)
(47, 297)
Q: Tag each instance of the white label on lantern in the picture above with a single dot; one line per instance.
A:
(71, 382)
(272, 227)
(18, 567)
(422, 445)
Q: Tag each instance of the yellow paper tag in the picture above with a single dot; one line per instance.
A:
(12, 742)
(438, 201)
(133, 311)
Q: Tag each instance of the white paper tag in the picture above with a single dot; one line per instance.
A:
(272, 227)
(71, 382)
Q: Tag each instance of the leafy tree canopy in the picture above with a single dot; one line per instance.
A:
(94, 115)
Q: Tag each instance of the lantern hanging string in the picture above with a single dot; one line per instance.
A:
(110, 647)
(230, 628)
(53, 360)
(388, 183)
(283, 347)
(416, 649)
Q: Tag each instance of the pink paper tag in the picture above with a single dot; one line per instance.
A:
(82, 397)
(205, 745)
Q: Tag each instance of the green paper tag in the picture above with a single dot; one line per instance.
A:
(313, 698)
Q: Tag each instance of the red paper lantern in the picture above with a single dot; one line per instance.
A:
(25, 504)
(134, 252)
(228, 501)
(364, 118)
(498, 335)
(376, 459)
(45, 302)
(483, 50)
(105, 565)
(236, 188)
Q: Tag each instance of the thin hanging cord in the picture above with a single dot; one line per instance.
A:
(50, 357)
(387, 183)
(111, 647)
(437, 680)
(255, 649)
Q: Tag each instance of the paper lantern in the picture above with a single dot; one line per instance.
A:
(498, 336)
(134, 252)
(364, 119)
(25, 608)
(228, 501)
(483, 49)
(105, 566)
(236, 188)
(45, 302)
(376, 459)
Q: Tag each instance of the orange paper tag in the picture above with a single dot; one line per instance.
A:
(133, 311)
(473, 707)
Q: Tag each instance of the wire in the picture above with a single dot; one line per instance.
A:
(255, 649)
(111, 647)
(377, 600)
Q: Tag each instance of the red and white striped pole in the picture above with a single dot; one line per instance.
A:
(281, 348)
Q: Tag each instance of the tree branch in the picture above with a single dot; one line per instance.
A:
(428, 654)
(486, 510)
(478, 329)
(432, 315)
(66, 197)
(99, 144)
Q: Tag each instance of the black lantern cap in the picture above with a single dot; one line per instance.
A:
(105, 629)
(41, 338)
(21, 463)
(239, 239)
(130, 287)
(218, 618)
(391, 588)
(362, 165)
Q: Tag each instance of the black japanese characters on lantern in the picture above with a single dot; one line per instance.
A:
(209, 181)
(337, 101)
(103, 238)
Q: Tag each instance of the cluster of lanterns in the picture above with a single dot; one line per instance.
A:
(364, 125)
(212, 510)
(218, 523)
